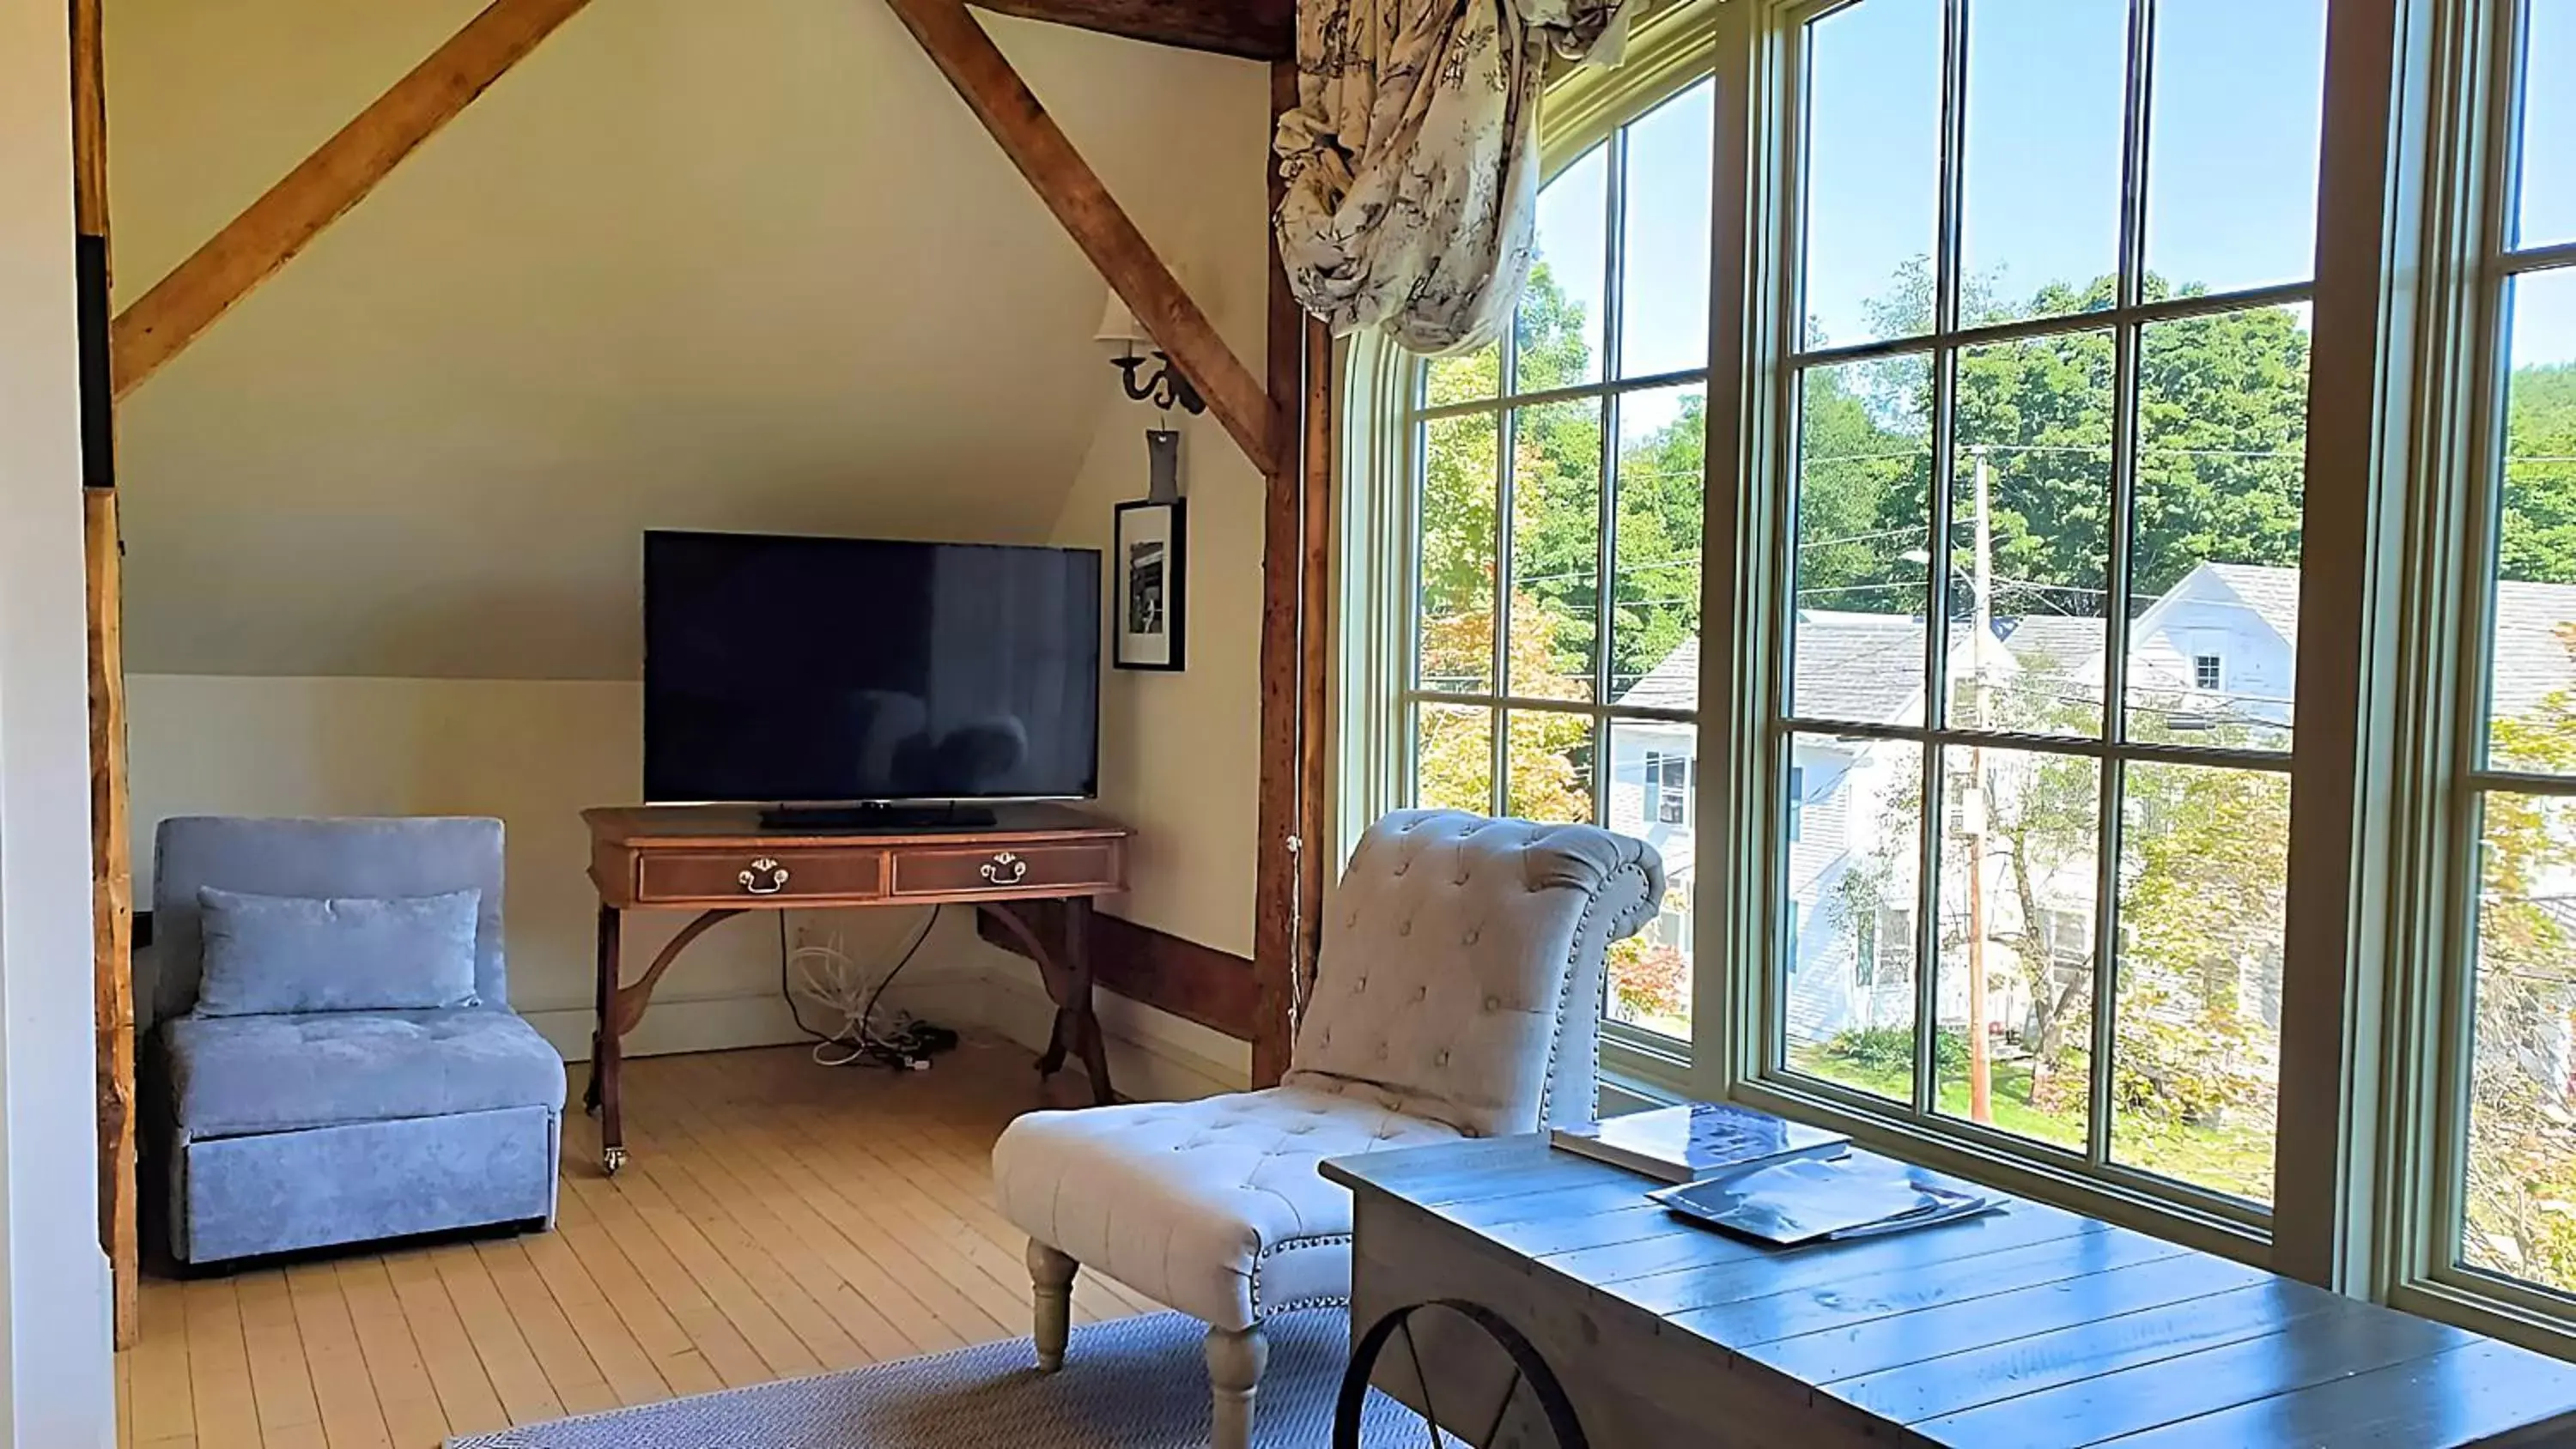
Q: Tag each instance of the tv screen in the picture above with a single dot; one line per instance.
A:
(827, 670)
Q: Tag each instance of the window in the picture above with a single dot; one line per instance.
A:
(1997, 475)
(1559, 493)
(2509, 1228)
(2046, 389)
(1667, 788)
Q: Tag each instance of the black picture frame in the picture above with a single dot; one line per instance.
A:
(1149, 603)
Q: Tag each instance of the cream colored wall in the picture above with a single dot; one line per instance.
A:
(749, 265)
(743, 266)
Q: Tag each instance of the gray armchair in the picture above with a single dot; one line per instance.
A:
(281, 1127)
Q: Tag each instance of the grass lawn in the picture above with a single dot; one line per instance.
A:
(2231, 1159)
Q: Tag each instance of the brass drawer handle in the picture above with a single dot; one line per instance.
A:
(1005, 869)
(765, 878)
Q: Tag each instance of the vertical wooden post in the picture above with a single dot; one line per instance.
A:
(111, 866)
(1278, 867)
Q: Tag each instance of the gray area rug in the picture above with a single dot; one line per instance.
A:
(1137, 1383)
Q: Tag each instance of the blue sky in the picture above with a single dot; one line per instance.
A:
(2231, 193)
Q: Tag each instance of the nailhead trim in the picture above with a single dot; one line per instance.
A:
(1292, 1245)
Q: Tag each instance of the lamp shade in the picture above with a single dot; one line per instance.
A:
(1117, 324)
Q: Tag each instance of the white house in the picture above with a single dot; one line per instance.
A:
(2214, 660)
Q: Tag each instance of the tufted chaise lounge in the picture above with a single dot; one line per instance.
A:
(307, 1128)
(1457, 995)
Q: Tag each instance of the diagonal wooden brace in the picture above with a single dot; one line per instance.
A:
(1066, 183)
(327, 183)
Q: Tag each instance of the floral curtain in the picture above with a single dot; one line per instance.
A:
(1411, 160)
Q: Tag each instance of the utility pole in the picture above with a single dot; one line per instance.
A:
(1981, 1100)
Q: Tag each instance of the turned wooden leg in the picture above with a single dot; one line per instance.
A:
(1051, 1276)
(1234, 1361)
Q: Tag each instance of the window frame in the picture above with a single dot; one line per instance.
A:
(1782, 359)
(1385, 397)
(2473, 56)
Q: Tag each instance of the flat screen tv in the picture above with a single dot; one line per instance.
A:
(789, 671)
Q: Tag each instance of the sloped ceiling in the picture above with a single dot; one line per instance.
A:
(740, 265)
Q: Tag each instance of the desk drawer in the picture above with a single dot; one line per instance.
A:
(1012, 869)
(691, 875)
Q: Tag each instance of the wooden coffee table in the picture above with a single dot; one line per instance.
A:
(2027, 1328)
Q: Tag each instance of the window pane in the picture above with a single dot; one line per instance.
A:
(1873, 170)
(2047, 88)
(1556, 548)
(2034, 441)
(2532, 717)
(1547, 760)
(1663, 307)
(1473, 377)
(1848, 950)
(1654, 634)
(2222, 442)
(2204, 861)
(1654, 768)
(2548, 209)
(2232, 144)
(1863, 539)
(1557, 334)
(2018, 876)
(1453, 757)
(2522, 1086)
(1456, 578)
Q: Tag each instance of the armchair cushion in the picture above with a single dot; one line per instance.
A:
(1213, 1206)
(230, 1076)
(268, 954)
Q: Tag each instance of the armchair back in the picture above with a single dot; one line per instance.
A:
(411, 856)
(1461, 969)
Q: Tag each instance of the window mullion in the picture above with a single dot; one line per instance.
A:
(1946, 288)
(1506, 437)
(2128, 342)
(1606, 534)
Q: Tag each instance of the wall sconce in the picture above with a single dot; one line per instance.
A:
(1165, 388)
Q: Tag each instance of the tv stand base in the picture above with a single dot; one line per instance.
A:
(875, 819)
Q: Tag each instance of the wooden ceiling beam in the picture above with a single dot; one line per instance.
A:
(338, 176)
(1252, 29)
(994, 91)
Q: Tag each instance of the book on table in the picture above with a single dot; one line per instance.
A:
(1805, 1200)
(1689, 1142)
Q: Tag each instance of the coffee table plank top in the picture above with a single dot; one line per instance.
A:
(2029, 1326)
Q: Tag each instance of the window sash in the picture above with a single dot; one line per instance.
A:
(2126, 320)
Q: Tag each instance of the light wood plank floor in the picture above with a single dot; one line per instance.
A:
(774, 1218)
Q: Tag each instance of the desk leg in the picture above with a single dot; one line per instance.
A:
(605, 1057)
(1083, 1025)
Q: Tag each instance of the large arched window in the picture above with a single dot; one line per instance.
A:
(1554, 497)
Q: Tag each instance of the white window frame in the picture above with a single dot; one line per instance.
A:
(2468, 263)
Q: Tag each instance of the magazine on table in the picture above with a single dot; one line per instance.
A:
(1806, 1201)
(1689, 1142)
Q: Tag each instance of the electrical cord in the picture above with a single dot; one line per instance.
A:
(829, 978)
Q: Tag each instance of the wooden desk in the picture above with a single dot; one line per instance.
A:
(721, 861)
(2029, 1328)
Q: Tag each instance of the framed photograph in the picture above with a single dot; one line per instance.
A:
(1152, 566)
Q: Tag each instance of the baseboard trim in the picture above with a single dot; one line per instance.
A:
(703, 1024)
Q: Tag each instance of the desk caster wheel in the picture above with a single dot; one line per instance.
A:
(611, 1159)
